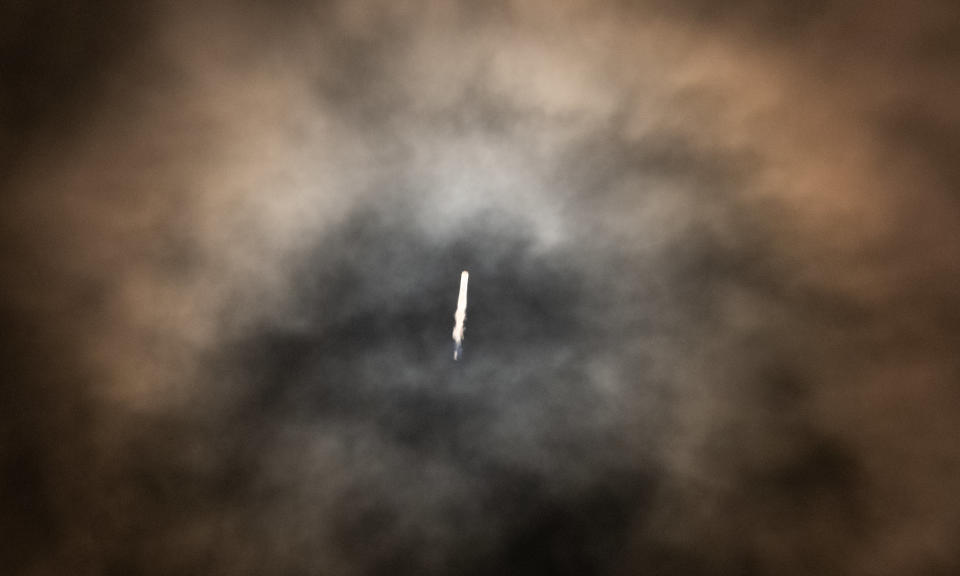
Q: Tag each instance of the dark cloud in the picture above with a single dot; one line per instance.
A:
(712, 318)
(54, 59)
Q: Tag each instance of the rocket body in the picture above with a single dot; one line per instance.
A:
(460, 316)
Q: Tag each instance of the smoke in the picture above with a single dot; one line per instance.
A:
(713, 320)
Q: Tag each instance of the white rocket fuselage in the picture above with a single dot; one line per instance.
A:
(460, 315)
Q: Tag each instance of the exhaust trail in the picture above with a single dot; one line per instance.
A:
(460, 316)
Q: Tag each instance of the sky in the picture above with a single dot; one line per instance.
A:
(714, 255)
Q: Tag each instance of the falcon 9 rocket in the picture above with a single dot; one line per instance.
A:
(460, 316)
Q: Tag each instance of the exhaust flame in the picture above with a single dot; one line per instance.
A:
(460, 315)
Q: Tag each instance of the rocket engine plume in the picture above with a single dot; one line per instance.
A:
(460, 316)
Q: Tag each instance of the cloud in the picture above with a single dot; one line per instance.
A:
(712, 310)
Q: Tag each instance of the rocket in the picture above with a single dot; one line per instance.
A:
(460, 316)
